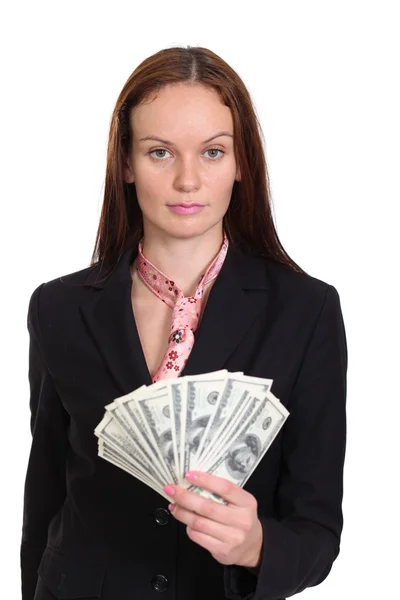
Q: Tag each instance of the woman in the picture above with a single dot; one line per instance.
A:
(183, 132)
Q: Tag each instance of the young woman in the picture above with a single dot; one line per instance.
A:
(183, 134)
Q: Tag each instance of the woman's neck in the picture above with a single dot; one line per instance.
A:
(182, 261)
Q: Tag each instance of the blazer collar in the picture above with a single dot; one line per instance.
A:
(231, 309)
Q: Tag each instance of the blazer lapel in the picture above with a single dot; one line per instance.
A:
(230, 311)
(110, 322)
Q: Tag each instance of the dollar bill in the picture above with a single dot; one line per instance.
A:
(109, 430)
(157, 414)
(250, 442)
(247, 408)
(112, 456)
(199, 404)
(122, 417)
(129, 407)
(232, 402)
(177, 392)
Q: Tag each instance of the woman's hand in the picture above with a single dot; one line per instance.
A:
(232, 533)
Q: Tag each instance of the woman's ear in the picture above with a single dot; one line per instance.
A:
(128, 177)
(238, 175)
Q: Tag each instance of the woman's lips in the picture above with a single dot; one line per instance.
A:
(190, 209)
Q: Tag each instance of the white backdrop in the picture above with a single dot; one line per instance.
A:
(324, 77)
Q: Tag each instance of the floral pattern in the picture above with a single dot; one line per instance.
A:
(177, 336)
(186, 310)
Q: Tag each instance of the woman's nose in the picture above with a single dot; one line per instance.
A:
(187, 174)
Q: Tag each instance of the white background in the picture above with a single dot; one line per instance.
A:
(324, 78)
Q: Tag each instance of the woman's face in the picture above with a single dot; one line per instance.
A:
(183, 168)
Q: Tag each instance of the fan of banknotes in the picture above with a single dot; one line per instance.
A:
(219, 422)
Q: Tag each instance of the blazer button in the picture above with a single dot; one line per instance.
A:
(161, 516)
(159, 583)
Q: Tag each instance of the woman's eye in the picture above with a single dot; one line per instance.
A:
(216, 150)
(158, 157)
(157, 150)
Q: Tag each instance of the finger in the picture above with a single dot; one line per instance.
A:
(209, 543)
(227, 490)
(202, 506)
(201, 524)
(214, 546)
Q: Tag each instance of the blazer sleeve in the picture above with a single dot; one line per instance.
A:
(45, 488)
(300, 546)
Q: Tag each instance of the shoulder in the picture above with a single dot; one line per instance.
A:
(75, 280)
(284, 282)
(298, 293)
(295, 297)
(289, 279)
(298, 297)
(60, 292)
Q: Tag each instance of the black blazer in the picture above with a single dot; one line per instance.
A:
(90, 530)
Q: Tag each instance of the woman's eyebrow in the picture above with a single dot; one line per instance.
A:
(157, 139)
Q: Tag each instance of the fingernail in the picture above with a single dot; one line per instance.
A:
(168, 489)
(171, 507)
(191, 476)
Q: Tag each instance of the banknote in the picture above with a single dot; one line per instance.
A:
(141, 434)
(234, 399)
(157, 413)
(220, 422)
(112, 456)
(199, 406)
(129, 425)
(110, 431)
(249, 441)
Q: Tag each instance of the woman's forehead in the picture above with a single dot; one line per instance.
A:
(175, 115)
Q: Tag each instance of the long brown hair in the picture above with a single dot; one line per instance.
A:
(248, 221)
